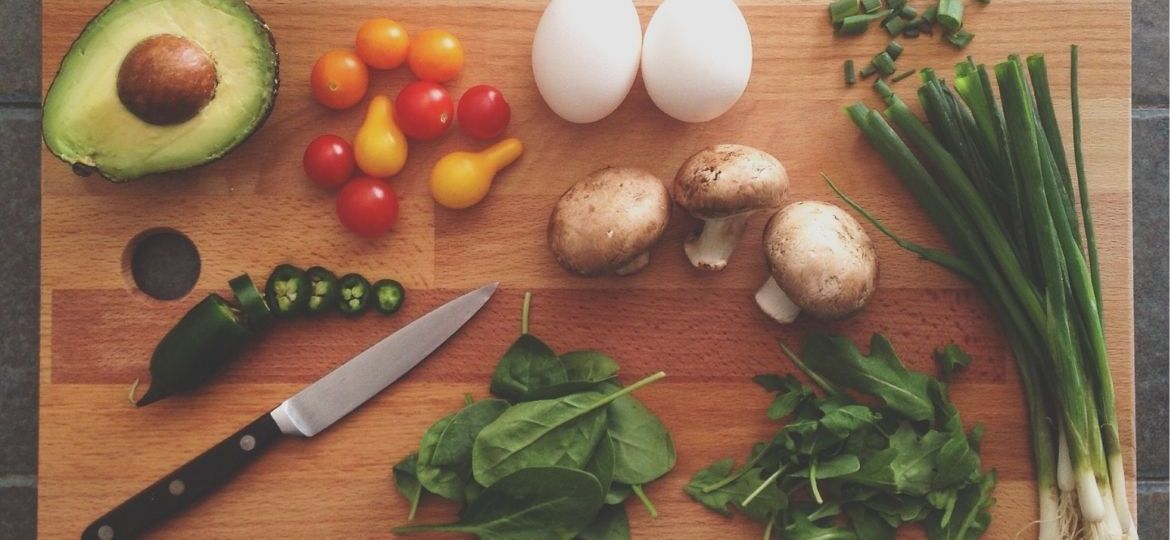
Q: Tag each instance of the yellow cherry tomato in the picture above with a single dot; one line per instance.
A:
(462, 179)
(382, 43)
(380, 147)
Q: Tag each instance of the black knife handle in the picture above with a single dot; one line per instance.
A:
(188, 484)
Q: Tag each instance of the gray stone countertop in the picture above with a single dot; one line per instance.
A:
(20, 23)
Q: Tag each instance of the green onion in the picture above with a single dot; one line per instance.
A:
(903, 75)
(840, 9)
(856, 24)
(850, 75)
(896, 5)
(894, 49)
(931, 13)
(960, 39)
(996, 182)
(895, 26)
(907, 12)
(871, 6)
(950, 14)
(884, 63)
(867, 71)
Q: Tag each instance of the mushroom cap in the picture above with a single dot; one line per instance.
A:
(729, 179)
(822, 258)
(607, 220)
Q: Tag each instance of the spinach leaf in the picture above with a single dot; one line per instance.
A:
(444, 456)
(528, 365)
(880, 374)
(554, 432)
(539, 503)
(611, 523)
(406, 481)
(643, 448)
(618, 493)
(601, 463)
(584, 372)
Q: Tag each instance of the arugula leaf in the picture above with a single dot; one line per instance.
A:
(909, 464)
(802, 528)
(867, 524)
(538, 503)
(720, 500)
(406, 482)
(832, 468)
(611, 523)
(880, 374)
(950, 359)
(444, 456)
(969, 516)
(528, 365)
(845, 420)
(790, 394)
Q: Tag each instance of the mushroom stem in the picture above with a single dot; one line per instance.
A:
(775, 302)
(638, 263)
(710, 247)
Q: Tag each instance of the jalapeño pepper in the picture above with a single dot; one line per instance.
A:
(355, 294)
(287, 290)
(251, 302)
(388, 296)
(207, 338)
(323, 290)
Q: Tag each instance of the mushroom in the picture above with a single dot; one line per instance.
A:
(606, 223)
(821, 260)
(724, 185)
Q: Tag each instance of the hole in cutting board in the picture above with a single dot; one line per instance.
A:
(163, 263)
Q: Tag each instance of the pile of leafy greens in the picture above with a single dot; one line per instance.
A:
(553, 456)
(842, 468)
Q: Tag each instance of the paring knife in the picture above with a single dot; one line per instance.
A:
(305, 414)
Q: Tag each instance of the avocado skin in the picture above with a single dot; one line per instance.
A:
(84, 170)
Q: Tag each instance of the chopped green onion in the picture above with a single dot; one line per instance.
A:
(931, 13)
(850, 75)
(871, 6)
(883, 90)
(896, 5)
(856, 24)
(895, 49)
(840, 9)
(867, 71)
(903, 75)
(907, 12)
(895, 26)
(950, 14)
(884, 63)
(960, 39)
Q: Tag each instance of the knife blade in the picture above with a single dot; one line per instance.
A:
(305, 414)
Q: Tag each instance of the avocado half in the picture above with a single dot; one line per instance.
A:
(152, 86)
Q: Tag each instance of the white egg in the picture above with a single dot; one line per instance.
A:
(585, 56)
(696, 58)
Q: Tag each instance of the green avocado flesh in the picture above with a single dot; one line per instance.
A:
(87, 125)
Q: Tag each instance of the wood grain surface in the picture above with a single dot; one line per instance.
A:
(255, 209)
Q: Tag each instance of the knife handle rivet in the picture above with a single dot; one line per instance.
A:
(176, 487)
(247, 443)
(105, 532)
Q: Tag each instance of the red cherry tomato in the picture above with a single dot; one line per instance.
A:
(329, 161)
(483, 113)
(423, 110)
(367, 206)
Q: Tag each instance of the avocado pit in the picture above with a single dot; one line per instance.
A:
(166, 79)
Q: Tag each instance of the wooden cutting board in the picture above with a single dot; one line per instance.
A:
(255, 209)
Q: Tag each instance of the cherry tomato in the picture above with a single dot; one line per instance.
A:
(435, 55)
(339, 79)
(483, 113)
(423, 110)
(367, 206)
(329, 161)
(382, 43)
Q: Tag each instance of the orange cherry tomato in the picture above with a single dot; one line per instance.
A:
(382, 43)
(339, 79)
(435, 55)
